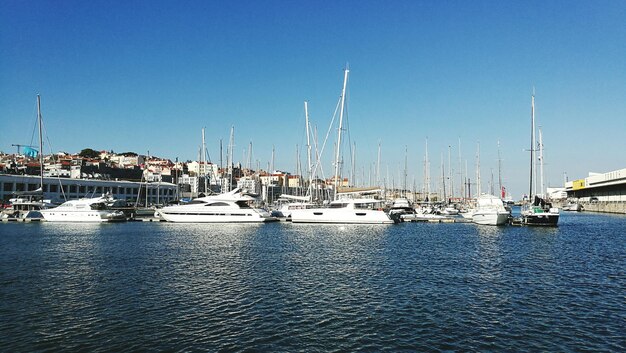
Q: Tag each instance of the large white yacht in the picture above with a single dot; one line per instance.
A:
(361, 211)
(490, 211)
(230, 207)
(84, 210)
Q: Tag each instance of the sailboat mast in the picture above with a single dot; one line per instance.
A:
(40, 142)
(532, 144)
(353, 168)
(343, 100)
(461, 176)
(499, 172)
(378, 166)
(478, 189)
(231, 145)
(541, 163)
(450, 172)
(406, 151)
(203, 161)
(308, 145)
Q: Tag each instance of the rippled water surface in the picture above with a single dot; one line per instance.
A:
(291, 287)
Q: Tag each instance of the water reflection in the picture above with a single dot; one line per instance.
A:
(281, 286)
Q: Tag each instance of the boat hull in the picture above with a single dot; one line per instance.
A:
(86, 216)
(541, 219)
(248, 216)
(491, 219)
(342, 216)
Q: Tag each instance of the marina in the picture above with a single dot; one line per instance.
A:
(308, 176)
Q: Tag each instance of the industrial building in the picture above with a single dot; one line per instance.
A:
(601, 192)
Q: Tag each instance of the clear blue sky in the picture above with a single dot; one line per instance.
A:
(148, 75)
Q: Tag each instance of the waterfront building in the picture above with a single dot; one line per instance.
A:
(601, 187)
(601, 192)
(58, 190)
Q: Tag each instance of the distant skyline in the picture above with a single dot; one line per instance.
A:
(149, 75)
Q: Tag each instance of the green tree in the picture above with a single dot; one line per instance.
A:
(89, 153)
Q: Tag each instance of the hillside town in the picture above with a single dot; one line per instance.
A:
(188, 178)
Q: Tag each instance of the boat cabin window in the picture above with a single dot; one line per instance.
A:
(242, 204)
(217, 204)
(195, 202)
(98, 206)
(338, 205)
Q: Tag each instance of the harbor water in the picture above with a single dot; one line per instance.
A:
(289, 287)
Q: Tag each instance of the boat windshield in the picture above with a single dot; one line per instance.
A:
(338, 205)
(243, 204)
(98, 206)
(217, 204)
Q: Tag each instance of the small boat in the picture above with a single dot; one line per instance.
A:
(490, 211)
(402, 210)
(449, 211)
(231, 207)
(572, 206)
(84, 210)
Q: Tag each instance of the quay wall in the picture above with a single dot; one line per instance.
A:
(604, 207)
(600, 206)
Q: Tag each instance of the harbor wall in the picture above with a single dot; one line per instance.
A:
(604, 207)
(599, 206)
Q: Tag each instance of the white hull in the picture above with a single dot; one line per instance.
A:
(228, 216)
(230, 207)
(340, 215)
(91, 216)
(490, 218)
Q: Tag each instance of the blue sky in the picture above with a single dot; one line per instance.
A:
(148, 75)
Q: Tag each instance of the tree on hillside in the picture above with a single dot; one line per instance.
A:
(89, 153)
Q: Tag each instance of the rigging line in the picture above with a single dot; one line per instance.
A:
(43, 126)
(330, 127)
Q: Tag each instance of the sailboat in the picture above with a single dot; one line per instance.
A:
(537, 211)
(349, 210)
(27, 204)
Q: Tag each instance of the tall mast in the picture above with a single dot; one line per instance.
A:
(378, 166)
(443, 179)
(231, 144)
(461, 176)
(427, 169)
(532, 144)
(203, 161)
(343, 100)
(450, 172)
(541, 163)
(406, 151)
(499, 172)
(478, 189)
(353, 169)
(40, 142)
(308, 146)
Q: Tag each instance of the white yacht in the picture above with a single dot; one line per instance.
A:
(490, 211)
(361, 211)
(84, 210)
(230, 207)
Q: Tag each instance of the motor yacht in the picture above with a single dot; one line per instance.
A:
(231, 207)
(84, 210)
